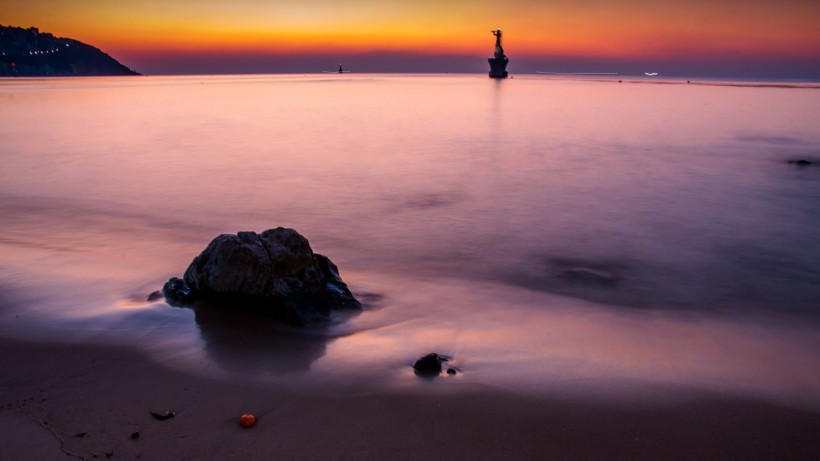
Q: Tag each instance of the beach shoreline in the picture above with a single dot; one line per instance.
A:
(93, 401)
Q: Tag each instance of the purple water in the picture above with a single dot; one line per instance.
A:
(548, 234)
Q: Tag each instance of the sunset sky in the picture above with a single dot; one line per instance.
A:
(696, 37)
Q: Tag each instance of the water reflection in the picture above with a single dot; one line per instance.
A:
(252, 343)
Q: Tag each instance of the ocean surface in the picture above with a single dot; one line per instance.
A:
(549, 235)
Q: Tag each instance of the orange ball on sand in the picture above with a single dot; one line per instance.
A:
(247, 420)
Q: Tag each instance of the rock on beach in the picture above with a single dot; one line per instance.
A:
(274, 272)
(429, 365)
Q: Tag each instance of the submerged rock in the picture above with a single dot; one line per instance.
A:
(801, 162)
(589, 276)
(429, 365)
(274, 272)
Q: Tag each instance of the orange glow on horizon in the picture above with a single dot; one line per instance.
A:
(631, 29)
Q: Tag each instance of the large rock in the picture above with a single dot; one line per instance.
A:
(275, 272)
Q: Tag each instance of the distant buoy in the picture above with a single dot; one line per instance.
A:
(247, 420)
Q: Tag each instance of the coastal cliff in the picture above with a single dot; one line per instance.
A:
(31, 53)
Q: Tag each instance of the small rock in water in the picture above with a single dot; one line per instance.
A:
(429, 365)
(155, 296)
(451, 371)
(801, 162)
(177, 290)
(135, 435)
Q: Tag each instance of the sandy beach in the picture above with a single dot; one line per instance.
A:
(95, 401)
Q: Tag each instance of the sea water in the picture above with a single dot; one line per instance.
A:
(547, 234)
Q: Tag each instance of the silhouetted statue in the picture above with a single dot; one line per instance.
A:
(499, 51)
(498, 63)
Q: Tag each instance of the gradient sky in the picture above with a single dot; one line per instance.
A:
(694, 37)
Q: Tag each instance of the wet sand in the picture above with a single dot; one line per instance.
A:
(88, 401)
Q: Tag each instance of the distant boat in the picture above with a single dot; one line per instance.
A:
(650, 74)
(340, 71)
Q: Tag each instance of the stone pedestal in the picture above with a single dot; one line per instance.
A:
(498, 67)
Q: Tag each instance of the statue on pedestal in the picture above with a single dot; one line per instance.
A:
(498, 63)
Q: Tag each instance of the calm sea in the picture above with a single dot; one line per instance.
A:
(547, 234)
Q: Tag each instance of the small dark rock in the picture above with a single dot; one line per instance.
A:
(801, 162)
(155, 296)
(429, 365)
(451, 371)
(135, 435)
(109, 454)
(163, 416)
(177, 291)
(80, 435)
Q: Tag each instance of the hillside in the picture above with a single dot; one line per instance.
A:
(31, 53)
